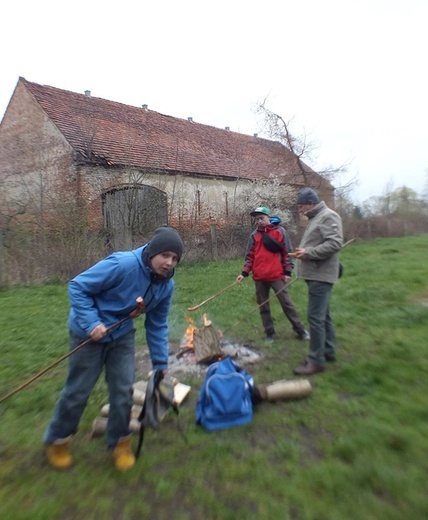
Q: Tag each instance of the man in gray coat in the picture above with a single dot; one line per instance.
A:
(318, 265)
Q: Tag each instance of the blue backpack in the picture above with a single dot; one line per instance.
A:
(225, 397)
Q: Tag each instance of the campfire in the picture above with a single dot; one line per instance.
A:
(203, 343)
(200, 346)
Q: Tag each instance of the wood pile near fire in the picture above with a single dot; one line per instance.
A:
(139, 393)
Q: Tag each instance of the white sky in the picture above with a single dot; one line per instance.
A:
(352, 73)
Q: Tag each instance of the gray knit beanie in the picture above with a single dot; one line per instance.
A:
(307, 196)
(165, 239)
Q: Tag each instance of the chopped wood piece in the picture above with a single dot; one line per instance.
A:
(285, 389)
(206, 342)
(180, 392)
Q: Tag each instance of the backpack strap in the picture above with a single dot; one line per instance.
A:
(159, 398)
(142, 428)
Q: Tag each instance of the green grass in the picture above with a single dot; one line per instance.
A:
(355, 448)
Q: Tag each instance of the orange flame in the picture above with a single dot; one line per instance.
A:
(188, 335)
(187, 341)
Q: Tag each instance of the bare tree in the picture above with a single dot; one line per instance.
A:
(279, 129)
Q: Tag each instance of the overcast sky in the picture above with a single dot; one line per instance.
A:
(351, 74)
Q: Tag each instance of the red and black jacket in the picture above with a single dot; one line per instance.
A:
(266, 255)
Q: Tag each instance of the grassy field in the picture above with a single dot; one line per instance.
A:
(356, 448)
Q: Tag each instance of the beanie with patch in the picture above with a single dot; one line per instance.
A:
(165, 239)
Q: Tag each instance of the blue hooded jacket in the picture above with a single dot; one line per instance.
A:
(107, 292)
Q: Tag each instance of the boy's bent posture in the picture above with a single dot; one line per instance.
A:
(100, 297)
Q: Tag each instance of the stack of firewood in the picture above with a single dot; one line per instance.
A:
(139, 393)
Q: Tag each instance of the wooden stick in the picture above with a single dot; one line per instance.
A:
(348, 242)
(293, 255)
(275, 294)
(65, 356)
(263, 303)
(213, 296)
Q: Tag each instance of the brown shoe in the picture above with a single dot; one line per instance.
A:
(308, 368)
(331, 358)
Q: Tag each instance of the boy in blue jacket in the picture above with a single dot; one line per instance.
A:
(126, 283)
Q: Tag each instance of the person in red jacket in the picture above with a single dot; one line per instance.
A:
(267, 259)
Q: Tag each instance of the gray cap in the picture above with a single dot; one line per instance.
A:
(165, 239)
(307, 196)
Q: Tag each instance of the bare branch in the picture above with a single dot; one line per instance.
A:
(279, 129)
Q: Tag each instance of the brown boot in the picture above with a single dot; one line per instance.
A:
(308, 368)
(123, 457)
(58, 454)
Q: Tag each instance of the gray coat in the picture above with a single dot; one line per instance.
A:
(322, 241)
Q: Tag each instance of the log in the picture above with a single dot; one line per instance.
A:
(138, 396)
(135, 410)
(140, 385)
(99, 426)
(100, 423)
(180, 393)
(285, 389)
(206, 343)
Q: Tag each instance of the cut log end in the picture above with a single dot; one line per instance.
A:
(278, 390)
(206, 342)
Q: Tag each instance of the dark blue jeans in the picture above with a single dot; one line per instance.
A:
(323, 337)
(85, 368)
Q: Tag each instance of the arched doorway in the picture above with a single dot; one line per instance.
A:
(132, 213)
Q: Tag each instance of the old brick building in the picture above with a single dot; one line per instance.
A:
(128, 169)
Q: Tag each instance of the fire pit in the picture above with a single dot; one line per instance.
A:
(199, 348)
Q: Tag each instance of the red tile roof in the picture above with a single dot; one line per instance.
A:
(116, 134)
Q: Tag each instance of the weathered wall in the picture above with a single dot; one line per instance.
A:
(200, 201)
(35, 159)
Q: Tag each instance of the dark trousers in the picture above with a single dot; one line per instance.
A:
(262, 295)
(323, 337)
